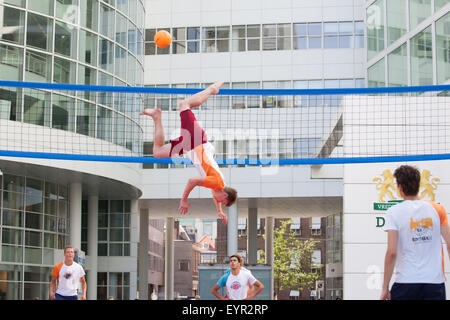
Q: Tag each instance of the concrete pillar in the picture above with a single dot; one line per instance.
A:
(269, 248)
(232, 230)
(75, 214)
(134, 242)
(143, 254)
(169, 257)
(252, 233)
(92, 240)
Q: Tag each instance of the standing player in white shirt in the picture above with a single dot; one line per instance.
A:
(415, 247)
(68, 274)
(237, 283)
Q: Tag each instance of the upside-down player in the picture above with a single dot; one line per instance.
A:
(193, 144)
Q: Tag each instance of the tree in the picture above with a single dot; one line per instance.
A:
(292, 260)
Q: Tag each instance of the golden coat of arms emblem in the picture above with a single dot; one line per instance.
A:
(388, 189)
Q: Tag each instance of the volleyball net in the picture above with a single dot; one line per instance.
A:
(246, 126)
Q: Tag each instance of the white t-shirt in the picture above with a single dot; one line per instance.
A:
(68, 278)
(237, 286)
(419, 249)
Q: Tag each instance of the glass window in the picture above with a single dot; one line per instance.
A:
(37, 67)
(39, 31)
(65, 39)
(33, 238)
(253, 101)
(269, 101)
(64, 71)
(330, 28)
(300, 43)
(284, 37)
(10, 64)
(253, 37)
(422, 59)
(116, 249)
(345, 41)
(104, 124)
(375, 29)
(12, 236)
(67, 10)
(88, 48)
(36, 109)
(12, 253)
(89, 14)
(86, 118)
(300, 29)
(223, 32)
(346, 27)
(13, 25)
(63, 113)
(284, 101)
(398, 67)
(116, 235)
(193, 36)
(121, 30)
(359, 27)
(34, 195)
(12, 218)
(107, 21)
(50, 223)
(396, 19)
(42, 6)
(33, 221)
(315, 42)
(121, 62)
(330, 42)
(439, 4)
(376, 75)
(106, 55)
(443, 49)
(253, 44)
(419, 10)
(315, 29)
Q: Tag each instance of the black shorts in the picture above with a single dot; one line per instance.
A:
(418, 291)
(192, 134)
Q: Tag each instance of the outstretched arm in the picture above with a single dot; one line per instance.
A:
(220, 213)
(191, 184)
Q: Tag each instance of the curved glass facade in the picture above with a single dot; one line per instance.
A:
(34, 222)
(88, 42)
(416, 49)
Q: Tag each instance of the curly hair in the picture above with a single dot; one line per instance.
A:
(409, 179)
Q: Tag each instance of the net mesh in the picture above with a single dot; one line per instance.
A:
(246, 127)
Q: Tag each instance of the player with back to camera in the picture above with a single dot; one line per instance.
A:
(193, 144)
(414, 230)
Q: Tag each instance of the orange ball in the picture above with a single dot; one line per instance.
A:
(162, 38)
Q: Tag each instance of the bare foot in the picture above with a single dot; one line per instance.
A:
(216, 86)
(154, 113)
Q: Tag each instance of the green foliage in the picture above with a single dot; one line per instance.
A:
(292, 260)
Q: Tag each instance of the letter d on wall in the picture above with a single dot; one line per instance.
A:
(380, 222)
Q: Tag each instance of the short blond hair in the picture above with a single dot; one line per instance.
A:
(69, 247)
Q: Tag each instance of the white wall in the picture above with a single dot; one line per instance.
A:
(388, 126)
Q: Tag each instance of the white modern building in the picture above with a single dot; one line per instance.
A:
(251, 45)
